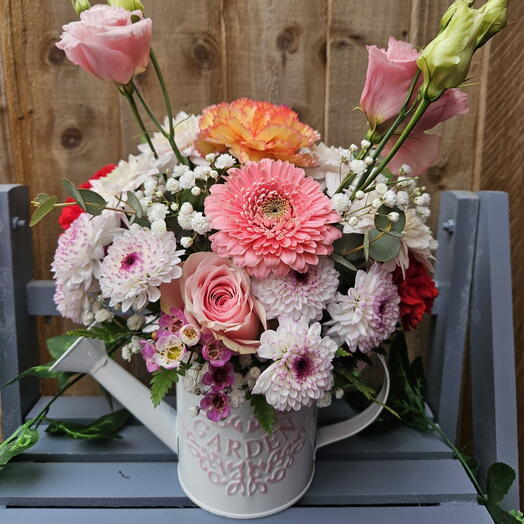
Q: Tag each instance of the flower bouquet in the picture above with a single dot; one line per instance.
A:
(251, 264)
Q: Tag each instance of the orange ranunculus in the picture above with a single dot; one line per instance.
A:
(252, 130)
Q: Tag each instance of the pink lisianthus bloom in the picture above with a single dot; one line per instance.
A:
(271, 218)
(216, 297)
(219, 378)
(215, 351)
(388, 79)
(106, 43)
(216, 406)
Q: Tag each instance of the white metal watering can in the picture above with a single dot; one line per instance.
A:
(231, 468)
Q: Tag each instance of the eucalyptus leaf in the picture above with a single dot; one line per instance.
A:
(383, 223)
(349, 246)
(45, 207)
(134, 203)
(103, 428)
(382, 247)
(94, 203)
(73, 192)
(339, 259)
(21, 440)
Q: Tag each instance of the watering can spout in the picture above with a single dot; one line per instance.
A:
(88, 355)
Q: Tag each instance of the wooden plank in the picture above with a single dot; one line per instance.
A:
(188, 41)
(352, 24)
(450, 514)
(500, 157)
(62, 121)
(275, 51)
(493, 357)
(138, 444)
(335, 483)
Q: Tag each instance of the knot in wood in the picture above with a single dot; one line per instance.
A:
(204, 52)
(287, 40)
(71, 138)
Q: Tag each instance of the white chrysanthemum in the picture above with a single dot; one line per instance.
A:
(72, 303)
(81, 247)
(299, 295)
(135, 266)
(303, 369)
(127, 176)
(367, 315)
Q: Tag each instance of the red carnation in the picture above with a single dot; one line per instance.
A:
(417, 292)
(71, 213)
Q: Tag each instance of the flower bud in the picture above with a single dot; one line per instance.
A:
(130, 5)
(81, 5)
(446, 60)
(452, 9)
(495, 14)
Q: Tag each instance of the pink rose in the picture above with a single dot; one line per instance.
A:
(216, 296)
(106, 43)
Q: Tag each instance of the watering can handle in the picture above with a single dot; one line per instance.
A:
(347, 428)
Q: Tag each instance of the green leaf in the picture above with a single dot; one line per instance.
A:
(383, 248)
(339, 259)
(21, 440)
(103, 428)
(57, 346)
(73, 192)
(264, 412)
(499, 479)
(161, 383)
(135, 204)
(41, 197)
(42, 371)
(94, 203)
(341, 352)
(349, 246)
(383, 223)
(45, 207)
(109, 332)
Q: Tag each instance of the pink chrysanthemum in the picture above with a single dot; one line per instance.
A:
(367, 315)
(298, 295)
(271, 218)
(303, 369)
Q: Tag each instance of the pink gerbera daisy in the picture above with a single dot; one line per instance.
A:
(271, 218)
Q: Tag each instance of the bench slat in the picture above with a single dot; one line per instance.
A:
(148, 484)
(448, 513)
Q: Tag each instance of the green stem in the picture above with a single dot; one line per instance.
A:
(136, 113)
(169, 108)
(424, 104)
(148, 111)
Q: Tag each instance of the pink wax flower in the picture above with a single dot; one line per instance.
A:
(219, 378)
(172, 321)
(388, 79)
(216, 405)
(216, 297)
(271, 218)
(215, 351)
(148, 354)
(389, 75)
(106, 43)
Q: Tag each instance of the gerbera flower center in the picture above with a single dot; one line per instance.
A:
(130, 260)
(275, 207)
(302, 366)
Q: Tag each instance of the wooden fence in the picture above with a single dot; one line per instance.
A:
(56, 121)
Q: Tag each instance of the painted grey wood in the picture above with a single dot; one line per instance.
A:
(40, 298)
(456, 234)
(139, 444)
(18, 340)
(156, 484)
(455, 513)
(492, 344)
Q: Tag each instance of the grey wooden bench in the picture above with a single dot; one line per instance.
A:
(402, 476)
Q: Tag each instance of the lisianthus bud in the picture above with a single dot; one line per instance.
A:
(130, 5)
(452, 9)
(80, 5)
(446, 60)
(495, 14)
